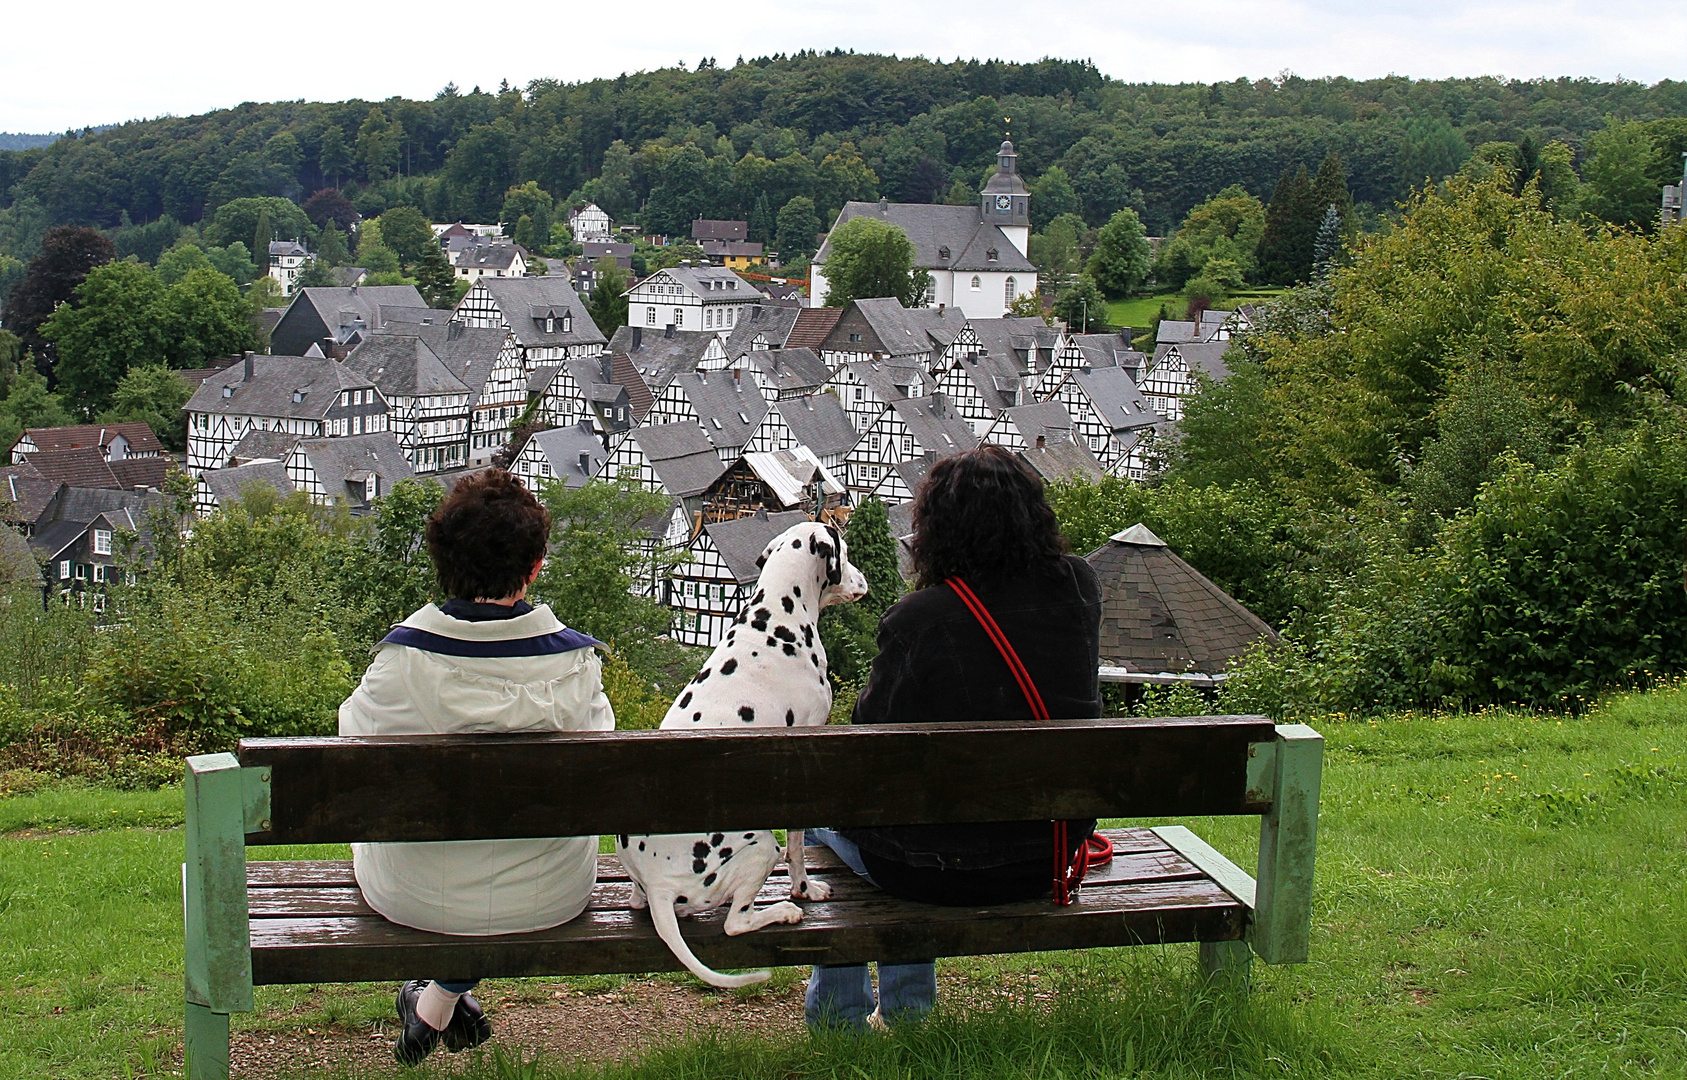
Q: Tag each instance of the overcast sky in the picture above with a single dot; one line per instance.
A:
(75, 62)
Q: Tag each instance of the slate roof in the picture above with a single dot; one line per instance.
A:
(525, 302)
(1173, 331)
(286, 247)
(275, 382)
(742, 540)
(935, 425)
(763, 320)
(1046, 418)
(730, 410)
(1109, 350)
(930, 228)
(402, 364)
(49, 540)
(792, 370)
(259, 443)
(339, 460)
(722, 249)
(900, 331)
(710, 283)
(593, 250)
(195, 376)
(790, 474)
(997, 379)
(1063, 457)
(682, 455)
(710, 229)
(227, 485)
(658, 357)
(1026, 343)
(84, 467)
(819, 422)
(890, 381)
(813, 327)
(139, 435)
(339, 313)
(1159, 614)
(25, 494)
(1205, 357)
(1117, 401)
(347, 276)
(468, 352)
(147, 472)
(562, 447)
(492, 256)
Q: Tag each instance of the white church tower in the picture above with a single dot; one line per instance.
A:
(1006, 202)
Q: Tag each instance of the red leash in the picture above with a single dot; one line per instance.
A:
(1096, 850)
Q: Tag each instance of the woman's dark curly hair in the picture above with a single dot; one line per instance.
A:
(486, 536)
(982, 515)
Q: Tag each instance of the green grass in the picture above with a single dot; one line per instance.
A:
(1138, 311)
(1501, 895)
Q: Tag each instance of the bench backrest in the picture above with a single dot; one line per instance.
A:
(479, 787)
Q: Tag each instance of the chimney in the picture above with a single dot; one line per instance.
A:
(1042, 441)
(668, 331)
(638, 336)
(609, 367)
(939, 403)
(755, 313)
(248, 369)
(940, 308)
(586, 462)
(141, 489)
(884, 204)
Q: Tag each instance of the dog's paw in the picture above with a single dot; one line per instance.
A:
(639, 901)
(784, 911)
(812, 889)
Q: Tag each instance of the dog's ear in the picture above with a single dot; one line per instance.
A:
(834, 557)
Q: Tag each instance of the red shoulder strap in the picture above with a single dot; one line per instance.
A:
(1003, 646)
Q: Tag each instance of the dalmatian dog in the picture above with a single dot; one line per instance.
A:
(769, 672)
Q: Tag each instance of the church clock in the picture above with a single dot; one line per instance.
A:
(1004, 202)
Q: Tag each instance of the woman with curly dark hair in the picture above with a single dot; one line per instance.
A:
(981, 520)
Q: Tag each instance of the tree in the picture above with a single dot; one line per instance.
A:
(235, 262)
(1082, 305)
(1619, 188)
(534, 203)
(1329, 188)
(262, 236)
(378, 143)
(434, 279)
(237, 221)
(1120, 261)
(68, 253)
(203, 316)
(763, 225)
(850, 631)
(1226, 226)
(27, 404)
(612, 188)
(331, 247)
(153, 395)
(334, 157)
(608, 307)
(174, 264)
(1057, 252)
(112, 326)
(872, 258)
(1051, 196)
(406, 232)
(797, 226)
(316, 275)
(1328, 244)
(1560, 187)
(330, 207)
(386, 573)
(1285, 245)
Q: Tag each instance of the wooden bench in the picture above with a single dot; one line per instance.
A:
(260, 923)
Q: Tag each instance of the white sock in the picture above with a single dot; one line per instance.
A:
(435, 1006)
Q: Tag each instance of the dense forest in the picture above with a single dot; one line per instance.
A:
(742, 141)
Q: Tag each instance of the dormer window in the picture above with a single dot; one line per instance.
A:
(943, 253)
(567, 322)
(993, 255)
(550, 324)
(228, 391)
(298, 396)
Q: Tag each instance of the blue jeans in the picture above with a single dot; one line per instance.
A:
(457, 987)
(841, 995)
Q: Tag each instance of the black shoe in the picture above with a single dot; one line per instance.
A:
(416, 1039)
(469, 1026)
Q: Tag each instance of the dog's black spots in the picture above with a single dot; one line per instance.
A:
(808, 635)
(696, 716)
(746, 907)
(773, 643)
(796, 543)
(743, 617)
(730, 666)
(709, 880)
(784, 633)
(814, 659)
(641, 845)
(796, 590)
(759, 597)
(754, 653)
(803, 888)
(788, 605)
(761, 560)
(717, 839)
(790, 650)
(747, 714)
(624, 840)
(686, 698)
(760, 621)
(698, 866)
(749, 836)
(701, 675)
(790, 718)
(681, 900)
(699, 850)
(725, 854)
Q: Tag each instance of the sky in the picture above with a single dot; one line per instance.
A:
(89, 62)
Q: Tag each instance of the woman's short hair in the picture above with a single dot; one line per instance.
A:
(982, 515)
(486, 536)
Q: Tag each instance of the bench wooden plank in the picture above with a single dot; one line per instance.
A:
(337, 790)
(364, 949)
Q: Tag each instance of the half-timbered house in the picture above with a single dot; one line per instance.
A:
(905, 432)
(1093, 351)
(303, 396)
(544, 315)
(772, 482)
(867, 387)
(659, 356)
(1112, 417)
(710, 298)
(114, 441)
(817, 422)
(707, 592)
(573, 454)
(428, 406)
(1174, 374)
(881, 329)
(728, 408)
(783, 373)
(332, 320)
(355, 470)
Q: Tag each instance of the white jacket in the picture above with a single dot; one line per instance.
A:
(435, 675)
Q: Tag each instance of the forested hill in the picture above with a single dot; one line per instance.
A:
(717, 141)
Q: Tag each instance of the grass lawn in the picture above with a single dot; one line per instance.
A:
(1138, 311)
(1501, 895)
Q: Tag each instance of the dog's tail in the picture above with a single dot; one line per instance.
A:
(667, 928)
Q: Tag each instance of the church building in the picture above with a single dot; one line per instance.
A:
(976, 255)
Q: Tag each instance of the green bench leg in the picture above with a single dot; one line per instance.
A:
(222, 801)
(1288, 847)
(205, 1037)
(1227, 963)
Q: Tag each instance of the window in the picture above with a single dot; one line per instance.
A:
(64, 570)
(80, 570)
(908, 445)
(1011, 292)
(931, 291)
(679, 317)
(102, 541)
(544, 468)
(855, 337)
(992, 255)
(99, 601)
(567, 322)
(650, 316)
(708, 317)
(860, 393)
(943, 252)
(976, 284)
(99, 572)
(550, 324)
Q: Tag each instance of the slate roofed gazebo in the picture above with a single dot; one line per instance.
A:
(1162, 621)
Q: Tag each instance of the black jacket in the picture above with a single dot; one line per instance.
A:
(936, 663)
